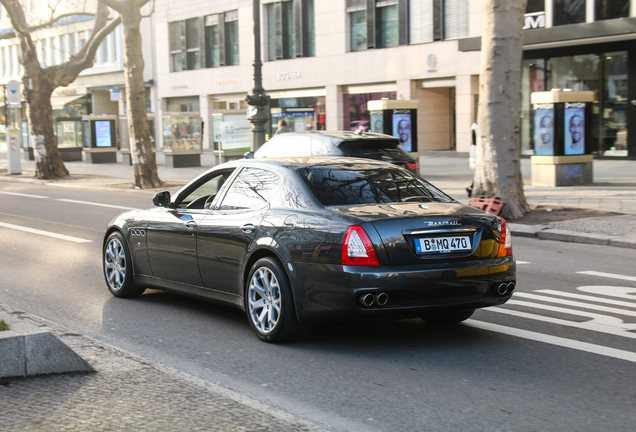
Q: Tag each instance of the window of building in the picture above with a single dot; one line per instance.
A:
(81, 39)
(568, 12)
(176, 35)
(71, 45)
(231, 38)
(455, 19)
(357, 11)
(104, 51)
(290, 29)
(212, 41)
(386, 23)
(609, 9)
(193, 43)
(3, 61)
(420, 21)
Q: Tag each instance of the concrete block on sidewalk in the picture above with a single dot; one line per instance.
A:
(573, 236)
(27, 350)
(12, 362)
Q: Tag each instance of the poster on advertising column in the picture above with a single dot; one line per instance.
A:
(236, 135)
(102, 133)
(543, 129)
(574, 128)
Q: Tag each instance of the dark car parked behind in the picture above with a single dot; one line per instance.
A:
(297, 241)
(345, 143)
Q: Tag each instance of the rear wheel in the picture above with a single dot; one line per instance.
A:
(448, 317)
(269, 303)
(118, 268)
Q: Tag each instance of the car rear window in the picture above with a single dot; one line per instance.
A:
(335, 186)
(387, 150)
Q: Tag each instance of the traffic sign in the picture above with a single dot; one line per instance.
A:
(14, 93)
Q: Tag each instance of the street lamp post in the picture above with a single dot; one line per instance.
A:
(258, 99)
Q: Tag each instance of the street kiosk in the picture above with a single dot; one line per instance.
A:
(182, 139)
(561, 126)
(100, 138)
(397, 118)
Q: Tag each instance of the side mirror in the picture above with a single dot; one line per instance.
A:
(161, 199)
(249, 155)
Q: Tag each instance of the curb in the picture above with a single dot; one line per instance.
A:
(27, 350)
(543, 232)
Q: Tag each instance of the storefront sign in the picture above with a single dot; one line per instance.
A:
(288, 75)
(236, 135)
(226, 82)
(534, 20)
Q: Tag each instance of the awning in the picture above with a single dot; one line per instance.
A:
(58, 102)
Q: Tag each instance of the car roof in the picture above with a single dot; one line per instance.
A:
(309, 161)
(338, 136)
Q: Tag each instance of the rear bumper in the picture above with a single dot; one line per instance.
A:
(327, 292)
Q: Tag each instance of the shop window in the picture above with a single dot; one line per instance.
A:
(614, 105)
(290, 29)
(609, 9)
(356, 114)
(568, 12)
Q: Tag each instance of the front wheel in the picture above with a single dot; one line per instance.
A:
(118, 268)
(269, 303)
(448, 317)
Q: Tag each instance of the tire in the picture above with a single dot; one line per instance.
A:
(441, 318)
(118, 270)
(269, 303)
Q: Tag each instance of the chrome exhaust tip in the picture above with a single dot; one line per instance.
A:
(502, 288)
(382, 299)
(510, 288)
(366, 300)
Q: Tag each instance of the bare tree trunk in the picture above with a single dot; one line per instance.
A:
(48, 160)
(498, 170)
(143, 158)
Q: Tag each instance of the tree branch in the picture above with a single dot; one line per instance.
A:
(113, 4)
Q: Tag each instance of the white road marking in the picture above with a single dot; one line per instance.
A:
(611, 291)
(97, 204)
(590, 298)
(608, 275)
(45, 233)
(23, 195)
(523, 262)
(554, 340)
(587, 325)
(575, 304)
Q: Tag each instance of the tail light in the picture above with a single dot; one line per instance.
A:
(357, 248)
(413, 165)
(505, 246)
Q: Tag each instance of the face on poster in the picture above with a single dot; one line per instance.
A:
(574, 131)
(402, 130)
(102, 133)
(543, 132)
(376, 123)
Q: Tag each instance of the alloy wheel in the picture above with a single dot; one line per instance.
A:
(264, 300)
(115, 264)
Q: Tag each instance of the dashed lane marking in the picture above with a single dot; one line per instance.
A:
(576, 304)
(23, 195)
(523, 262)
(554, 340)
(589, 298)
(97, 204)
(45, 233)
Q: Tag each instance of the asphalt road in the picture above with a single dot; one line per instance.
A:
(560, 356)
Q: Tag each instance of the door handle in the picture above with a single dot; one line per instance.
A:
(248, 228)
(191, 225)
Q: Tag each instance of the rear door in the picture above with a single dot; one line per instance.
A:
(225, 235)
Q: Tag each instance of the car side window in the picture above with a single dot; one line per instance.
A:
(273, 148)
(203, 196)
(253, 188)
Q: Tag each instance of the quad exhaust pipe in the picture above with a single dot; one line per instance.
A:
(368, 300)
(505, 288)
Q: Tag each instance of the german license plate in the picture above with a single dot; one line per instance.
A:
(442, 244)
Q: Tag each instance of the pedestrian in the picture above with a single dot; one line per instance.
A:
(472, 161)
(282, 127)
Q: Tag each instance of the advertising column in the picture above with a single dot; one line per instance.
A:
(561, 131)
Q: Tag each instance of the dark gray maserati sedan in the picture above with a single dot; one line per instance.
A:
(298, 241)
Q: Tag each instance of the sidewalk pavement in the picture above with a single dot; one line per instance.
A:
(614, 190)
(127, 393)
